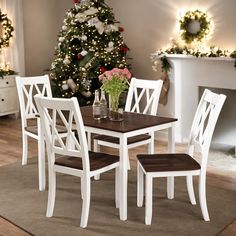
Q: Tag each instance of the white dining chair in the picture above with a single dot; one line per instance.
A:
(183, 164)
(68, 152)
(27, 87)
(143, 97)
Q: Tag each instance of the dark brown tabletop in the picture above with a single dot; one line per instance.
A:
(132, 121)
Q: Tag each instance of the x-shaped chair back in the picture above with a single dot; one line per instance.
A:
(143, 96)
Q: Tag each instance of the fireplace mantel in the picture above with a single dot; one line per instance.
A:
(188, 74)
(182, 56)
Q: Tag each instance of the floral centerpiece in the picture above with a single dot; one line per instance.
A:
(114, 82)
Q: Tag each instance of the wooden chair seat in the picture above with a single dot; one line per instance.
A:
(34, 129)
(131, 140)
(168, 162)
(97, 161)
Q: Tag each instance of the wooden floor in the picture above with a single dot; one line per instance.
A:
(10, 152)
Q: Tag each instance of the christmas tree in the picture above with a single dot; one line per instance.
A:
(89, 43)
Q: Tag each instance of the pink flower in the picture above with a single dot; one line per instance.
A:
(115, 81)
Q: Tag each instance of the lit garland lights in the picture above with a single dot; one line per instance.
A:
(7, 30)
(193, 42)
(201, 51)
(89, 43)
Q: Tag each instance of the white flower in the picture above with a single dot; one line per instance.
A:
(64, 27)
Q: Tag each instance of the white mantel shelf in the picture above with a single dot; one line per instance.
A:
(182, 56)
(188, 75)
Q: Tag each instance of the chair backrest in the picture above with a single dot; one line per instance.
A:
(143, 96)
(63, 113)
(204, 123)
(27, 87)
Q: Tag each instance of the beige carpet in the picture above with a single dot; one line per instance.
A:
(223, 160)
(23, 204)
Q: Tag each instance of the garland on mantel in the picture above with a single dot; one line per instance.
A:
(201, 51)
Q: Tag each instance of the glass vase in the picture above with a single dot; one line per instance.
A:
(115, 112)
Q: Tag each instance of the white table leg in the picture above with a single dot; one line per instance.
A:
(123, 177)
(171, 149)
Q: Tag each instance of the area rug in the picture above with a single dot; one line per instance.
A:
(222, 160)
(25, 206)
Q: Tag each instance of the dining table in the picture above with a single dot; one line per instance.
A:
(132, 124)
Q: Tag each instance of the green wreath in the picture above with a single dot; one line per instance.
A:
(198, 18)
(7, 27)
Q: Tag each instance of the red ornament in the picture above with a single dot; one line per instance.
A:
(80, 57)
(102, 69)
(121, 29)
(124, 49)
(76, 1)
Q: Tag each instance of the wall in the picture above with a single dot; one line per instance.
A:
(42, 21)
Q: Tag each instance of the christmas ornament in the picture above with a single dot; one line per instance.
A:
(110, 47)
(76, 1)
(124, 49)
(83, 37)
(102, 69)
(86, 94)
(71, 84)
(66, 61)
(97, 23)
(65, 86)
(110, 28)
(64, 28)
(121, 29)
(61, 39)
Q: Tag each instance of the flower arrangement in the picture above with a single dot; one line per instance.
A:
(114, 82)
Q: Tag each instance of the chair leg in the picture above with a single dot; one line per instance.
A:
(140, 183)
(41, 163)
(117, 186)
(202, 197)
(189, 180)
(170, 187)
(24, 148)
(148, 200)
(151, 144)
(51, 192)
(96, 148)
(86, 182)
